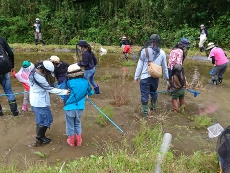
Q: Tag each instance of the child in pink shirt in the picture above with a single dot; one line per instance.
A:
(220, 60)
(23, 76)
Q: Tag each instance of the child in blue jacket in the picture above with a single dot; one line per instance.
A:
(75, 103)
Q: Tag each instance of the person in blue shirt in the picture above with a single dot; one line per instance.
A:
(148, 84)
(74, 104)
(89, 61)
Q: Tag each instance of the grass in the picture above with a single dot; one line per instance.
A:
(201, 122)
(106, 77)
(102, 120)
(137, 155)
(128, 63)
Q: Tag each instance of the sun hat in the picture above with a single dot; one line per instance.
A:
(49, 66)
(54, 58)
(37, 19)
(26, 64)
(82, 43)
(202, 25)
(123, 38)
(73, 68)
(74, 71)
(210, 46)
(184, 42)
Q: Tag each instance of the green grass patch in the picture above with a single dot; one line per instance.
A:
(128, 63)
(201, 122)
(101, 119)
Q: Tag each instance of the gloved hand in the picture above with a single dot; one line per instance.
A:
(13, 72)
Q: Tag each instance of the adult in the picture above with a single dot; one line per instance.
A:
(148, 84)
(5, 77)
(89, 61)
(125, 44)
(40, 99)
(37, 31)
(220, 60)
(203, 37)
(177, 54)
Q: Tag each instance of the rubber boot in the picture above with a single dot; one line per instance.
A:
(214, 82)
(97, 90)
(70, 141)
(78, 140)
(153, 105)
(41, 130)
(145, 110)
(1, 113)
(36, 41)
(175, 106)
(182, 104)
(42, 42)
(220, 80)
(24, 107)
(13, 107)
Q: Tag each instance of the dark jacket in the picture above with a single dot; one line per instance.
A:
(89, 60)
(125, 42)
(60, 72)
(8, 50)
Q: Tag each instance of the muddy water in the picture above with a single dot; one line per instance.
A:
(18, 133)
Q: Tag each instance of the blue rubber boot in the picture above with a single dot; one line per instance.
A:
(97, 90)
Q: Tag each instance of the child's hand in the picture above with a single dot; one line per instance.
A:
(13, 72)
(68, 92)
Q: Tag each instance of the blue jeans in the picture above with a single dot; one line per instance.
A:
(73, 122)
(43, 116)
(148, 86)
(89, 75)
(5, 82)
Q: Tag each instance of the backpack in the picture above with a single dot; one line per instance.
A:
(5, 62)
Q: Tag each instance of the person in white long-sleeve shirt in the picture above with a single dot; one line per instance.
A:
(40, 99)
(148, 84)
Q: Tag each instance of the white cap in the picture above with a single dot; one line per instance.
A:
(73, 68)
(37, 19)
(54, 58)
(49, 66)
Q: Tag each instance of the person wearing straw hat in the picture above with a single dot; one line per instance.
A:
(203, 37)
(220, 61)
(75, 103)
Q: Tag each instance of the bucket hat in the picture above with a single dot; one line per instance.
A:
(210, 46)
(185, 42)
(26, 64)
(82, 43)
(55, 59)
(49, 66)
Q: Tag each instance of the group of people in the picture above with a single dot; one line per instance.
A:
(73, 84)
(173, 72)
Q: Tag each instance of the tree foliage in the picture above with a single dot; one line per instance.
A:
(105, 21)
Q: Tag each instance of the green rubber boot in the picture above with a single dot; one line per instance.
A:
(153, 105)
(145, 110)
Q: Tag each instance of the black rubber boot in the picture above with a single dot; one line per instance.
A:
(13, 108)
(36, 41)
(220, 80)
(42, 42)
(1, 113)
(214, 82)
(41, 130)
(97, 90)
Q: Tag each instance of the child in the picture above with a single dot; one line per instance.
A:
(60, 69)
(40, 99)
(89, 62)
(177, 85)
(23, 76)
(75, 104)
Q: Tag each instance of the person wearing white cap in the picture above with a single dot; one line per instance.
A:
(37, 32)
(60, 69)
(125, 44)
(75, 103)
(40, 99)
(220, 60)
(203, 37)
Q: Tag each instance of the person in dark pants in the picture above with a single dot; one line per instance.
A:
(220, 60)
(5, 79)
(148, 84)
